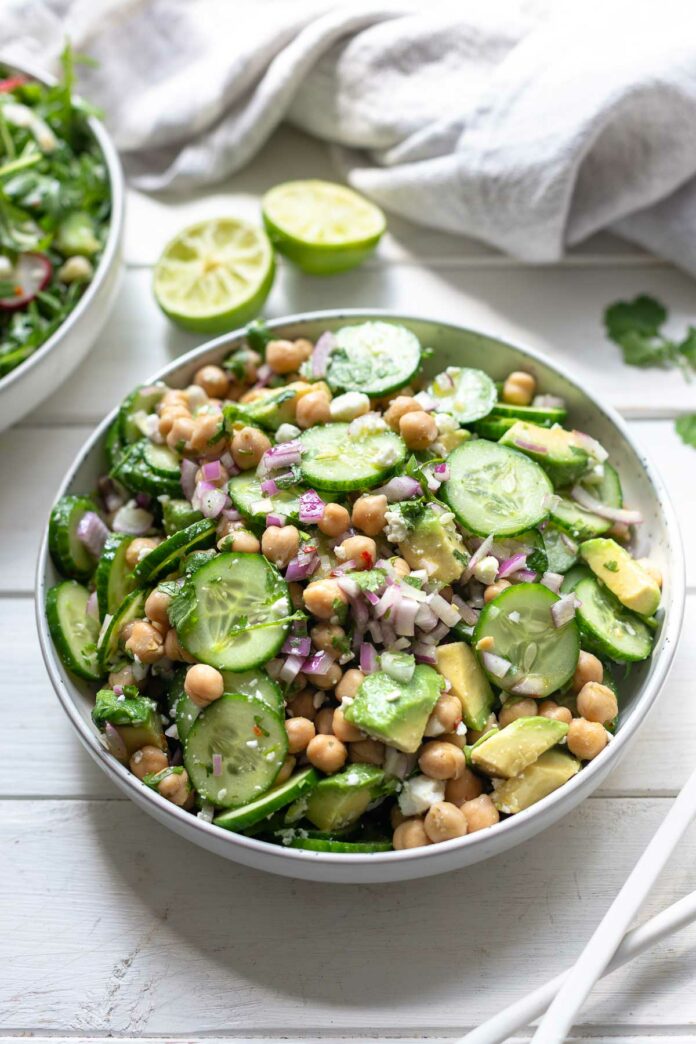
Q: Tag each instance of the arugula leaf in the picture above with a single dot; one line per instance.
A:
(686, 429)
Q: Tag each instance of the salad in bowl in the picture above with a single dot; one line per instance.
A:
(334, 602)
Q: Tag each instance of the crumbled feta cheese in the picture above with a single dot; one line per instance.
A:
(287, 432)
(387, 455)
(368, 424)
(206, 813)
(419, 793)
(172, 732)
(353, 779)
(461, 729)
(252, 743)
(486, 570)
(447, 517)
(262, 507)
(445, 422)
(396, 529)
(349, 406)
(121, 698)
(318, 699)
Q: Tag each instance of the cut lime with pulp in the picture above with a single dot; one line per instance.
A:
(322, 227)
(215, 275)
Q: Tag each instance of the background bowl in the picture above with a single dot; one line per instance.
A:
(33, 380)
(659, 533)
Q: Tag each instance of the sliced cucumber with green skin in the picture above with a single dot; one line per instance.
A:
(146, 468)
(167, 556)
(245, 491)
(495, 489)
(73, 631)
(492, 428)
(332, 459)
(559, 549)
(573, 578)
(249, 683)
(142, 400)
(466, 393)
(131, 608)
(315, 844)
(233, 612)
(69, 554)
(578, 523)
(612, 630)
(251, 742)
(542, 658)
(113, 446)
(161, 460)
(608, 489)
(375, 358)
(276, 798)
(543, 415)
(114, 578)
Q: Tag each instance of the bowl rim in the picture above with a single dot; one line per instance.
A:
(514, 828)
(113, 239)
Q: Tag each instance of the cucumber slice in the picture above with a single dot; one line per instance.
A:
(251, 741)
(492, 428)
(68, 552)
(466, 393)
(578, 523)
(375, 358)
(276, 798)
(333, 459)
(113, 446)
(140, 402)
(245, 491)
(74, 633)
(542, 657)
(495, 489)
(146, 468)
(108, 649)
(573, 578)
(316, 844)
(247, 683)
(545, 416)
(167, 556)
(114, 578)
(559, 549)
(233, 612)
(608, 489)
(161, 460)
(612, 630)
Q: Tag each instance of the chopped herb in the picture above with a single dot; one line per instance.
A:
(612, 566)
(686, 428)
(636, 326)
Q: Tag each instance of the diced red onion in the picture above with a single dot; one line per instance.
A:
(426, 619)
(569, 543)
(404, 617)
(424, 653)
(114, 742)
(143, 499)
(311, 507)
(402, 487)
(498, 666)
(372, 598)
(436, 635)
(345, 567)
(263, 375)
(523, 576)
(391, 596)
(563, 611)
(531, 447)
(92, 609)
(284, 455)
(318, 664)
(92, 532)
(209, 500)
(111, 496)
(528, 686)
(432, 482)
(290, 669)
(442, 471)
(480, 553)
(511, 565)
(468, 614)
(348, 586)
(322, 350)
(188, 478)
(425, 401)
(212, 471)
(375, 629)
(269, 487)
(231, 514)
(297, 646)
(118, 690)
(368, 658)
(302, 566)
(553, 581)
(591, 446)
(217, 764)
(132, 520)
(590, 503)
(275, 520)
(449, 614)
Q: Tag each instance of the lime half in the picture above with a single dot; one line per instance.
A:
(322, 227)
(215, 275)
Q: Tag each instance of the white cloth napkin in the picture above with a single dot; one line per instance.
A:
(529, 124)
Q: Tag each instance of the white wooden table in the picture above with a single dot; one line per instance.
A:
(113, 926)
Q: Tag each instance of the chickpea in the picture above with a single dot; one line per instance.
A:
(396, 817)
(494, 590)
(329, 638)
(398, 408)
(467, 787)
(145, 642)
(476, 734)
(213, 380)
(179, 437)
(652, 570)
(519, 388)
(302, 705)
(349, 684)
(550, 709)
(329, 680)
(203, 684)
(312, 409)
(168, 416)
(138, 548)
(156, 607)
(410, 834)
(248, 361)
(418, 430)
(280, 543)
(440, 760)
(444, 821)
(208, 434)
(324, 598)
(286, 356)
(300, 731)
(343, 730)
(589, 669)
(324, 722)
(445, 716)
(369, 513)
(597, 702)
(327, 754)
(367, 752)
(457, 739)
(480, 813)
(514, 709)
(360, 549)
(586, 739)
(248, 447)
(242, 540)
(176, 788)
(174, 650)
(286, 770)
(400, 567)
(173, 397)
(334, 521)
(123, 676)
(148, 759)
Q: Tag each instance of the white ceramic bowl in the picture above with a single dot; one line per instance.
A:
(33, 380)
(643, 489)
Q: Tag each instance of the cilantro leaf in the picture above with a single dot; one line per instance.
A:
(686, 428)
(687, 347)
(641, 349)
(643, 315)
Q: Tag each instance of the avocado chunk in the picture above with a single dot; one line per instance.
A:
(178, 514)
(519, 744)
(625, 578)
(554, 449)
(542, 777)
(431, 542)
(458, 664)
(339, 801)
(395, 712)
(134, 717)
(449, 440)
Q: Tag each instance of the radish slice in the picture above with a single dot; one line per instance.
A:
(31, 273)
